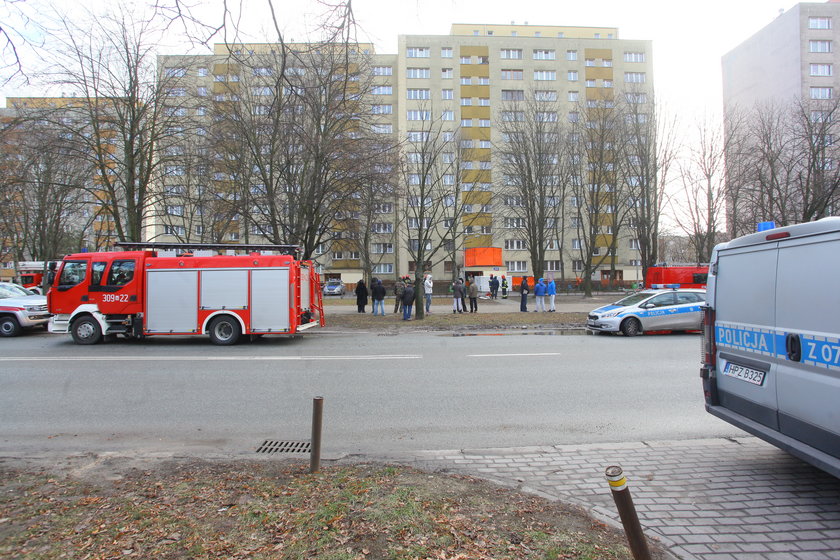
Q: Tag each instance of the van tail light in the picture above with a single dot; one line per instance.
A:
(709, 348)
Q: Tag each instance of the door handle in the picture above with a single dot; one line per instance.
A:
(793, 346)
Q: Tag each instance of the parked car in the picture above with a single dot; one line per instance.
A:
(334, 288)
(20, 308)
(651, 310)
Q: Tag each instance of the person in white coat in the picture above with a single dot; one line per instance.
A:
(428, 286)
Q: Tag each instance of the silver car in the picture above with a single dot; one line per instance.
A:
(20, 308)
(651, 310)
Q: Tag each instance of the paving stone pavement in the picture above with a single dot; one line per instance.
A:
(712, 499)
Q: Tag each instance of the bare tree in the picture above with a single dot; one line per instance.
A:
(700, 209)
(649, 152)
(433, 211)
(533, 195)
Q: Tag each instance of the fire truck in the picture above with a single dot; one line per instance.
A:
(185, 289)
(685, 275)
(31, 274)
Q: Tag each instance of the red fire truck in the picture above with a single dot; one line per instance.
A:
(31, 274)
(184, 290)
(687, 276)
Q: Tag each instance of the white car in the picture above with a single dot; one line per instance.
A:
(670, 309)
(20, 309)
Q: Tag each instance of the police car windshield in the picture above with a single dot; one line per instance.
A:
(634, 299)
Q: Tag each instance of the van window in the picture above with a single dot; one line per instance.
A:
(73, 273)
(122, 272)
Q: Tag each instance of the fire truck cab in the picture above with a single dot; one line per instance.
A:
(142, 293)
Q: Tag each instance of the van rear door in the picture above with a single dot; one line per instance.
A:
(807, 306)
(747, 364)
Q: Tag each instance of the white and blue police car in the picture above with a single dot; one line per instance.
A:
(670, 308)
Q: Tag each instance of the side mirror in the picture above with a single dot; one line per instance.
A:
(647, 306)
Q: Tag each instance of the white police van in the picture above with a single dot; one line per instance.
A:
(667, 309)
(772, 338)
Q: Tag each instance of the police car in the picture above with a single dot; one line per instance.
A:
(666, 309)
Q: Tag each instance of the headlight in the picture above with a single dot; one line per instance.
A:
(610, 314)
(35, 308)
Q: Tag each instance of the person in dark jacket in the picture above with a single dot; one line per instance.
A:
(473, 294)
(523, 291)
(494, 287)
(408, 301)
(399, 288)
(377, 292)
(361, 296)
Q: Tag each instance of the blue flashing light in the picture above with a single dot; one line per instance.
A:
(764, 226)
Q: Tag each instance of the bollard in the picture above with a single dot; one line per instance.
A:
(627, 513)
(315, 451)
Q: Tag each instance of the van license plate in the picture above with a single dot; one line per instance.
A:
(754, 376)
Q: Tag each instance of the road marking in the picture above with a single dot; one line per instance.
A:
(201, 358)
(506, 355)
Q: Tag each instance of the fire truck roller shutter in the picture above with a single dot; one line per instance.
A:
(171, 301)
(270, 300)
(224, 289)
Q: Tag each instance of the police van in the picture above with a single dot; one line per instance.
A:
(772, 338)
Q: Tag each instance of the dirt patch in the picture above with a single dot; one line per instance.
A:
(262, 509)
(463, 321)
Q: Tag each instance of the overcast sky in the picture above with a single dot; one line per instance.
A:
(689, 38)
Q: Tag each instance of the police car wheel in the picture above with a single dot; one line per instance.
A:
(224, 331)
(86, 330)
(631, 327)
(9, 326)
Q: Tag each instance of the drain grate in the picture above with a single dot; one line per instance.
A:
(272, 446)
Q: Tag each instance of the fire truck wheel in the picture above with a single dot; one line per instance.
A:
(224, 330)
(9, 326)
(86, 330)
(631, 327)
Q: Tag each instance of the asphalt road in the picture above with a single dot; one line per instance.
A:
(382, 394)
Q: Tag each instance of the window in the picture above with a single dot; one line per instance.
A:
(485, 144)
(175, 111)
(634, 77)
(386, 128)
(551, 266)
(483, 81)
(382, 71)
(380, 248)
(589, 62)
(418, 52)
(466, 101)
(448, 115)
(382, 109)
(121, 273)
(381, 90)
(545, 95)
(383, 268)
(513, 116)
(636, 98)
(484, 101)
(446, 52)
(545, 75)
(173, 170)
(419, 115)
(819, 22)
(466, 122)
(571, 55)
(260, 109)
(466, 80)
(572, 75)
(821, 93)
(511, 223)
(513, 95)
(418, 94)
(176, 92)
(512, 74)
(542, 54)
(516, 266)
(414, 223)
(175, 210)
(447, 94)
(545, 116)
(516, 245)
(822, 70)
(819, 46)
(511, 54)
(202, 72)
(382, 227)
(591, 83)
(484, 123)
(417, 136)
(466, 60)
(174, 230)
(447, 73)
(634, 56)
(175, 72)
(417, 73)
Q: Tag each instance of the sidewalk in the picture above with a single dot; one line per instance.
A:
(714, 499)
(573, 303)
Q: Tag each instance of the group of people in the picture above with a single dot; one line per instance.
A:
(542, 291)
(404, 295)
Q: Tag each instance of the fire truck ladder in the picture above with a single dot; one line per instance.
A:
(293, 250)
(318, 304)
